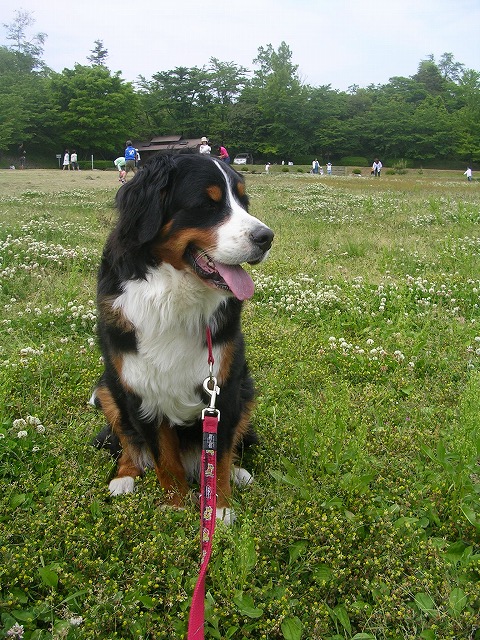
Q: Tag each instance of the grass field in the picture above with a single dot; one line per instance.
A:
(364, 341)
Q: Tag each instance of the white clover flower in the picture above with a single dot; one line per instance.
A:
(370, 341)
(76, 621)
(35, 449)
(16, 631)
(19, 423)
(22, 434)
(33, 420)
(40, 428)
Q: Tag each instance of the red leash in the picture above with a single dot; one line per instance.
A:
(208, 499)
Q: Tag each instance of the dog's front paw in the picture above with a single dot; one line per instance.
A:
(226, 515)
(121, 485)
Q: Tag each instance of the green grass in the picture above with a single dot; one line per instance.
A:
(364, 341)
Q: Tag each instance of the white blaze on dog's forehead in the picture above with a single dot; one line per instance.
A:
(234, 236)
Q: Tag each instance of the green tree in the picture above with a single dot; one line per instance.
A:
(430, 76)
(177, 101)
(97, 109)
(226, 81)
(433, 131)
(26, 109)
(467, 116)
(98, 55)
(281, 100)
(450, 69)
(29, 48)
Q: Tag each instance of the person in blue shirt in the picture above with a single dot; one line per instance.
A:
(130, 157)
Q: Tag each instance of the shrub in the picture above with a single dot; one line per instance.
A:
(357, 172)
(390, 172)
(285, 169)
(400, 166)
(351, 161)
(100, 165)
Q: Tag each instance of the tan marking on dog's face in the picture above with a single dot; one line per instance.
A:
(172, 248)
(215, 193)
(241, 189)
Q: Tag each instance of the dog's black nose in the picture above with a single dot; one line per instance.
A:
(263, 237)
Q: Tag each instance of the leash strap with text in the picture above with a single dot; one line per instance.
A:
(208, 502)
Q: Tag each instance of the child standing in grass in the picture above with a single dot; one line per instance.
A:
(66, 160)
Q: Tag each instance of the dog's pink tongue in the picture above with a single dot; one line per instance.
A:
(238, 280)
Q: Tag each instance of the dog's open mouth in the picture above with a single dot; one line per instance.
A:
(228, 277)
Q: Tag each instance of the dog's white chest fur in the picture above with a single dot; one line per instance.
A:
(170, 311)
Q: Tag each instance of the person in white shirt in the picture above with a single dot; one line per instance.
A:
(468, 173)
(205, 148)
(377, 167)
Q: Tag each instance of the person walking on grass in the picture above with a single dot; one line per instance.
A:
(468, 173)
(130, 158)
(377, 167)
(66, 160)
(74, 161)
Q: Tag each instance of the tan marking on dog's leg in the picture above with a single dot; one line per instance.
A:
(226, 359)
(224, 488)
(169, 468)
(126, 466)
(243, 424)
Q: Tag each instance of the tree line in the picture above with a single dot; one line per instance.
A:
(432, 116)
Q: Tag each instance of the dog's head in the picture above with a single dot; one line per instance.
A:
(190, 211)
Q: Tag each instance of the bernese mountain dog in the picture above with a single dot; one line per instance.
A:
(170, 268)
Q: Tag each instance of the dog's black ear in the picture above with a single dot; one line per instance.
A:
(140, 202)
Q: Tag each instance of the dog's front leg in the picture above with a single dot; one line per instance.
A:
(169, 467)
(224, 488)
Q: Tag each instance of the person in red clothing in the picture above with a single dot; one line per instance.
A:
(224, 155)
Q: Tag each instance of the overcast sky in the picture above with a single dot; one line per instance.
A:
(337, 42)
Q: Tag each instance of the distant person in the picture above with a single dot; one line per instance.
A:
(467, 173)
(224, 155)
(377, 167)
(74, 161)
(315, 167)
(23, 160)
(119, 163)
(329, 168)
(205, 148)
(267, 168)
(122, 175)
(66, 160)
(137, 158)
(130, 158)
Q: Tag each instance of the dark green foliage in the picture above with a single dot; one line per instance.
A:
(432, 116)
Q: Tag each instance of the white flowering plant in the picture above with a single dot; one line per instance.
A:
(363, 338)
